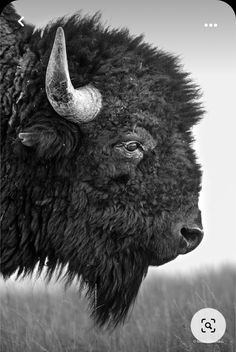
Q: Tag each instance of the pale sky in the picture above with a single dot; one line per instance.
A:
(209, 53)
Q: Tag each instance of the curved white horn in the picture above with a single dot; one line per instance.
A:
(77, 105)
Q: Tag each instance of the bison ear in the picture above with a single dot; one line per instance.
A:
(49, 138)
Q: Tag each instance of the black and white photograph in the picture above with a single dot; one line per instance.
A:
(118, 176)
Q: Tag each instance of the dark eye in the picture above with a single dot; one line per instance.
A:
(130, 149)
(132, 146)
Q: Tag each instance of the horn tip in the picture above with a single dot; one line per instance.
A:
(60, 32)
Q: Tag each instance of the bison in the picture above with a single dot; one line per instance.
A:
(99, 176)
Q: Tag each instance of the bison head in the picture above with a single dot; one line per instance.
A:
(100, 178)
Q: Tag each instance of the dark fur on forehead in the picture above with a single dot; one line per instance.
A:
(131, 75)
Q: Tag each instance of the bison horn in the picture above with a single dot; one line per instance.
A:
(77, 105)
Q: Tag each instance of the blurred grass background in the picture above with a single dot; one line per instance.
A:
(49, 319)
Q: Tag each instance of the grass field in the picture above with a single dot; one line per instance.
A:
(53, 320)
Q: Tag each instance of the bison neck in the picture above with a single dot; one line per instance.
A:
(52, 218)
(34, 204)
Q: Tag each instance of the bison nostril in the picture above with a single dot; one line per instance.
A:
(190, 239)
(189, 233)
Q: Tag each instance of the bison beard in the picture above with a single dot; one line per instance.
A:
(117, 285)
(98, 173)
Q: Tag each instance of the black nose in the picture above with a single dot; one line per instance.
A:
(190, 237)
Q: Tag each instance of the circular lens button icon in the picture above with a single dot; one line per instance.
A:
(208, 325)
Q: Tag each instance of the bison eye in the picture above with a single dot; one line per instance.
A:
(130, 149)
(132, 146)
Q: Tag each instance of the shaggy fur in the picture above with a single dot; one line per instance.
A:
(77, 199)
